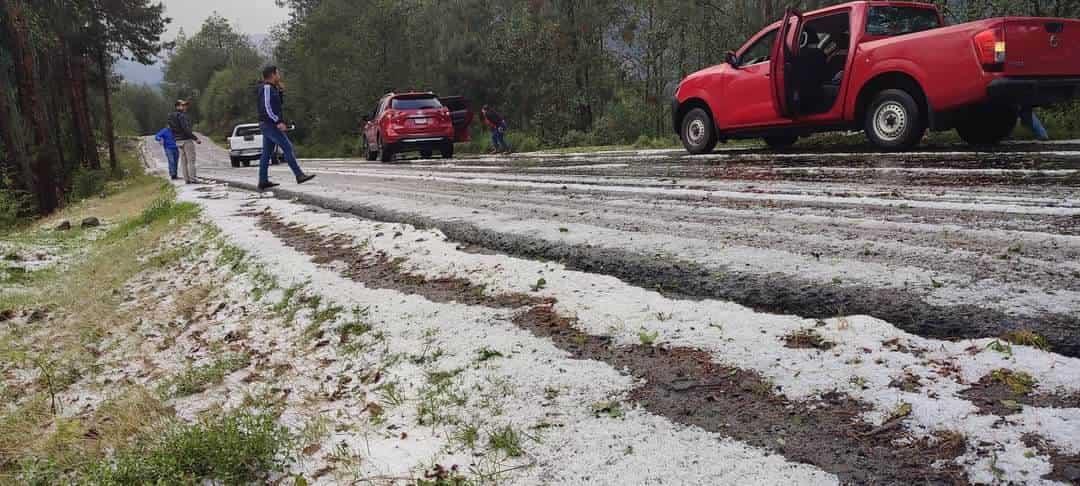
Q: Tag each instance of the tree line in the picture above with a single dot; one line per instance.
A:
(565, 72)
(56, 90)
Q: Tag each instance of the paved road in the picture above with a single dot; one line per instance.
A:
(943, 242)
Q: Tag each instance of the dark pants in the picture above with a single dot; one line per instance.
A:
(1031, 121)
(172, 155)
(498, 138)
(272, 138)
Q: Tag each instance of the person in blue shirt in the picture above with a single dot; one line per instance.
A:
(272, 124)
(172, 152)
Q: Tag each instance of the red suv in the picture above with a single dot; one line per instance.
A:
(416, 121)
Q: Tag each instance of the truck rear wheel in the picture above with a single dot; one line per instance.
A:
(698, 132)
(987, 125)
(235, 162)
(894, 120)
(447, 151)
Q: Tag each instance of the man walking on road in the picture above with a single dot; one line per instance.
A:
(497, 123)
(180, 126)
(272, 124)
(172, 154)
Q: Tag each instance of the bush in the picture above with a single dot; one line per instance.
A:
(87, 183)
(238, 448)
(647, 142)
(1062, 121)
(523, 142)
(15, 208)
(575, 138)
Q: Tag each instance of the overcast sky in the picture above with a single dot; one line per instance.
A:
(249, 16)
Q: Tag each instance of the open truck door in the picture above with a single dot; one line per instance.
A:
(461, 115)
(783, 56)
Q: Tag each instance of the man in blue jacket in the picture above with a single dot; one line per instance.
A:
(172, 152)
(272, 124)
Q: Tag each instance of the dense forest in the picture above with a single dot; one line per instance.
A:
(564, 72)
(57, 136)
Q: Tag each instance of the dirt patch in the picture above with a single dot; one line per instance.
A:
(686, 386)
(807, 339)
(1066, 467)
(376, 270)
(1003, 393)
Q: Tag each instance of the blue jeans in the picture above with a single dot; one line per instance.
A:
(1031, 121)
(173, 156)
(272, 138)
(498, 138)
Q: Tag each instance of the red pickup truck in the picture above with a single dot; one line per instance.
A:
(891, 69)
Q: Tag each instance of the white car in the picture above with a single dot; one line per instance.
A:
(245, 145)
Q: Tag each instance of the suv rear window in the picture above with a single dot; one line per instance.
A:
(891, 21)
(416, 103)
(245, 131)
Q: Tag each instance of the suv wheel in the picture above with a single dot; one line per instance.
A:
(698, 132)
(386, 155)
(987, 124)
(447, 151)
(425, 154)
(894, 121)
(780, 142)
(369, 153)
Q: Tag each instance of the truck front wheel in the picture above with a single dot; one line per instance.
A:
(987, 125)
(698, 132)
(894, 121)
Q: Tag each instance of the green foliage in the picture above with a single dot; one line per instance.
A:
(214, 68)
(507, 440)
(15, 207)
(196, 379)
(237, 448)
(146, 106)
(87, 183)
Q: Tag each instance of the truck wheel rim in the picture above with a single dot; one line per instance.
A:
(695, 132)
(890, 121)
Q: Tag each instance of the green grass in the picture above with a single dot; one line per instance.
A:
(236, 448)
(196, 379)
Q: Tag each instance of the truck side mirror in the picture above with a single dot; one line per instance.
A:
(731, 58)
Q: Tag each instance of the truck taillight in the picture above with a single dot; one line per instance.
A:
(990, 45)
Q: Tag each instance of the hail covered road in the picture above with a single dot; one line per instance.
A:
(944, 243)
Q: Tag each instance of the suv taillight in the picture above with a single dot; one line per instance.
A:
(990, 46)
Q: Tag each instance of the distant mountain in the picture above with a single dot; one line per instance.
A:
(136, 73)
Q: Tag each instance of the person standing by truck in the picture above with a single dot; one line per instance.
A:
(172, 153)
(180, 126)
(497, 124)
(1031, 121)
(273, 127)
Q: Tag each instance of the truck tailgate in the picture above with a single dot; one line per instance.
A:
(1042, 47)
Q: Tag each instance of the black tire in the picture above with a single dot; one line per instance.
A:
(235, 162)
(781, 142)
(247, 163)
(386, 155)
(894, 121)
(426, 154)
(447, 151)
(698, 132)
(987, 125)
(371, 155)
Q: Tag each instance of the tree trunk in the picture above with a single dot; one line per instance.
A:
(105, 91)
(12, 162)
(75, 67)
(43, 183)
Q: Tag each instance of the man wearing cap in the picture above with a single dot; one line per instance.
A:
(272, 125)
(180, 126)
